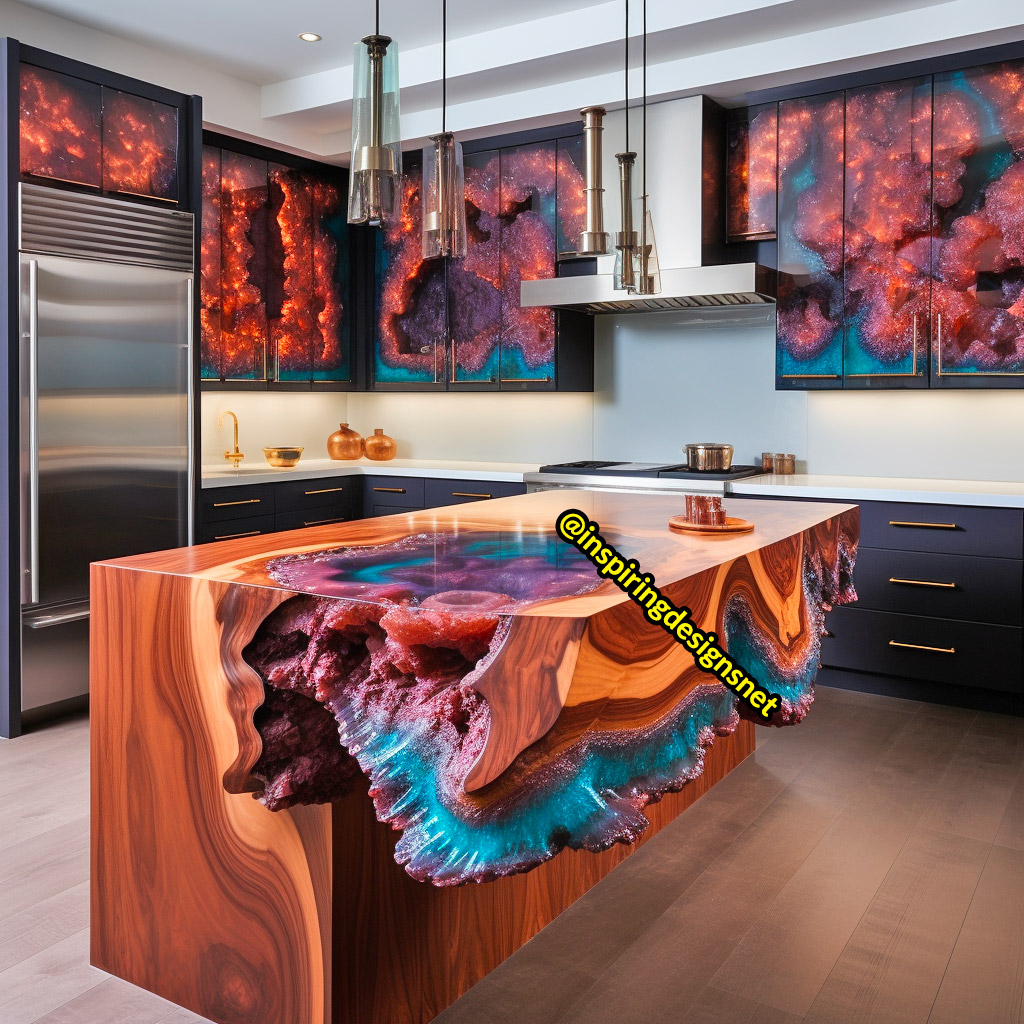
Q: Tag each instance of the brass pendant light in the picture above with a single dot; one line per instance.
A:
(374, 183)
(444, 184)
(625, 239)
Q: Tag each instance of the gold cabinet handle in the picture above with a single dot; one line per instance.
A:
(470, 494)
(247, 501)
(324, 522)
(927, 526)
(923, 647)
(922, 583)
(391, 490)
(232, 536)
(325, 490)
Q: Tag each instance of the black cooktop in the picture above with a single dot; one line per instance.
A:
(591, 467)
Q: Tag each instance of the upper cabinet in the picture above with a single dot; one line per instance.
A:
(77, 129)
(274, 271)
(978, 245)
(899, 227)
(458, 324)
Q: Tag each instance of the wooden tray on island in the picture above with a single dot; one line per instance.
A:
(731, 525)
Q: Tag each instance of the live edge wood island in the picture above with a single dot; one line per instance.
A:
(340, 774)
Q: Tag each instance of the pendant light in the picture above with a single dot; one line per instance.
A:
(374, 183)
(444, 186)
(648, 274)
(625, 239)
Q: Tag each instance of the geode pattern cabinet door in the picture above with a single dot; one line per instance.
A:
(810, 241)
(887, 234)
(978, 249)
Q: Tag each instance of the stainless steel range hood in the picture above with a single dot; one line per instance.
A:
(706, 290)
(703, 279)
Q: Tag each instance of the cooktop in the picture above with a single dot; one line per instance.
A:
(592, 467)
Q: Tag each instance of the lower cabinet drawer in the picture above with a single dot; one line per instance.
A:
(945, 586)
(296, 495)
(229, 529)
(455, 492)
(310, 517)
(404, 491)
(953, 529)
(916, 647)
(389, 510)
(218, 503)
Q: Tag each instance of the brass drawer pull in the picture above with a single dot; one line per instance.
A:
(470, 494)
(391, 490)
(923, 647)
(324, 522)
(247, 501)
(922, 583)
(325, 490)
(927, 526)
(232, 536)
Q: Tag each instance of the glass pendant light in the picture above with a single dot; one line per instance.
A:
(623, 276)
(374, 182)
(444, 186)
(648, 274)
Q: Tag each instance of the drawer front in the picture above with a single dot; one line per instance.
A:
(915, 647)
(231, 529)
(950, 529)
(968, 587)
(406, 491)
(219, 503)
(455, 492)
(303, 494)
(389, 510)
(302, 518)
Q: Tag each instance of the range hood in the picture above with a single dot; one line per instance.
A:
(701, 276)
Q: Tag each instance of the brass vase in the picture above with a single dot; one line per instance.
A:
(380, 447)
(344, 443)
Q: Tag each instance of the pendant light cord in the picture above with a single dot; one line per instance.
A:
(444, 63)
(644, 171)
(377, 22)
(625, 40)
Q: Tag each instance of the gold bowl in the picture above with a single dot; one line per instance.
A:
(282, 458)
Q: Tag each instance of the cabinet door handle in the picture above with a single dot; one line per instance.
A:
(324, 522)
(325, 490)
(247, 501)
(391, 490)
(922, 583)
(470, 494)
(923, 647)
(232, 536)
(927, 526)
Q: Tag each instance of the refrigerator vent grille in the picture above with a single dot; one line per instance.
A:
(97, 228)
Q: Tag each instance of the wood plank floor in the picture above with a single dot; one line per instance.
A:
(865, 866)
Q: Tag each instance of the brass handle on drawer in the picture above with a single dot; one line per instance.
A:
(232, 536)
(923, 647)
(247, 501)
(470, 494)
(922, 583)
(927, 526)
(325, 490)
(323, 522)
(391, 490)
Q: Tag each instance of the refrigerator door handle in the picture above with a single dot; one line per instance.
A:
(73, 613)
(31, 572)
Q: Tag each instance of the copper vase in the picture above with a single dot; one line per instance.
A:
(344, 443)
(380, 447)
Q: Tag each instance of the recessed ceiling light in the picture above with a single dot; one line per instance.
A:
(310, 37)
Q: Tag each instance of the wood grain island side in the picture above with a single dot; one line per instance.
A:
(308, 747)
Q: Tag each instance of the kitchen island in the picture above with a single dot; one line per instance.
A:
(309, 748)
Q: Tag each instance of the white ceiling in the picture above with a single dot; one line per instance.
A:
(257, 40)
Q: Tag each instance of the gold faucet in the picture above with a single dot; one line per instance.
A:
(234, 456)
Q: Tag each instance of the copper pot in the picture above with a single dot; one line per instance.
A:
(708, 457)
(345, 443)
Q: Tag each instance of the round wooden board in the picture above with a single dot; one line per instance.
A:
(683, 525)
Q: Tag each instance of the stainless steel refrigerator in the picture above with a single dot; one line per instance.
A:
(106, 410)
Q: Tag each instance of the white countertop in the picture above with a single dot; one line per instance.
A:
(258, 472)
(998, 493)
